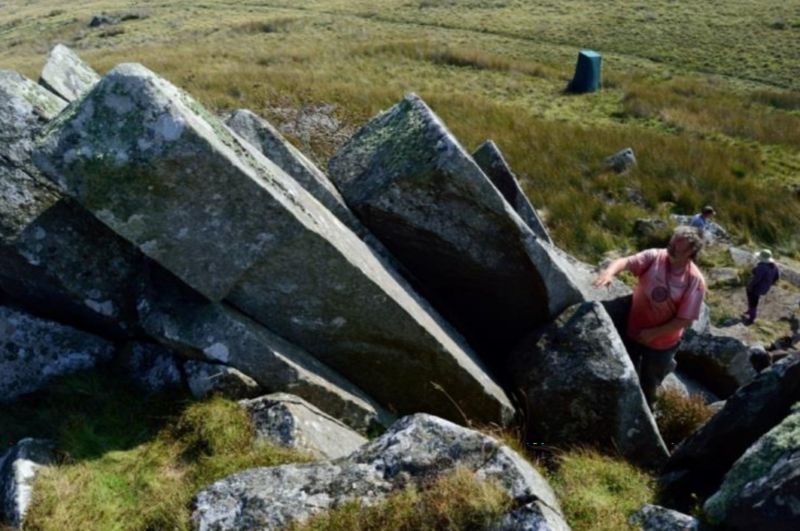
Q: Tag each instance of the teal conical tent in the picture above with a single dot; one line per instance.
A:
(587, 73)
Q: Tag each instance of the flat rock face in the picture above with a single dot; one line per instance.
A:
(700, 462)
(762, 490)
(233, 225)
(189, 323)
(655, 518)
(580, 387)
(205, 379)
(66, 75)
(413, 185)
(290, 421)
(417, 448)
(18, 469)
(54, 256)
(494, 165)
(33, 351)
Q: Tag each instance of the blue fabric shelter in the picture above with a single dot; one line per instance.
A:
(587, 73)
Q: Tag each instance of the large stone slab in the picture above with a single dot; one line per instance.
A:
(34, 351)
(164, 173)
(191, 324)
(290, 421)
(494, 165)
(580, 387)
(762, 489)
(720, 362)
(55, 257)
(416, 188)
(18, 470)
(66, 75)
(416, 449)
(700, 462)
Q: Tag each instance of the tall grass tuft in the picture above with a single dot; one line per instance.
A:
(678, 416)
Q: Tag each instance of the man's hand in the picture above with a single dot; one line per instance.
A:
(603, 279)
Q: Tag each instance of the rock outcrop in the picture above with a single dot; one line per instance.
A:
(206, 379)
(290, 421)
(234, 226)
(578, 386)
(66, 76)
(417, 448)
(18, 469)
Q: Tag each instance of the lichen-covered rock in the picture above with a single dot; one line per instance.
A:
(168, 176)
(416, 188)
(494, 165)
(180, 318)
(762, 489)
(290, 421)
(535, 516)
(18, 469)
(54, 256)
(205, 379)
(580, 387)
(699, 463)
(655, 518)
(622, 161)
(34, 351)
(721, 363)
(66, 75)
(152, 367)
(416, 449)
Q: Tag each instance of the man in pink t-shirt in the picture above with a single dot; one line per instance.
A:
(668, 297)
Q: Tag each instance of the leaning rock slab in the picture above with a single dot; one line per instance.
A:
(762, 490)
(290, 421)
(205, 379)
(18, 470)
(494, 165)
(234, 226)
(34, 351)
(416, 188)
(416, 449)
(66, 75)
(183, 320)
(700, 462)
(655, 518)
(580, 387)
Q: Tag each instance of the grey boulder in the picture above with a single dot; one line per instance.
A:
(700, 462)
(494, 165)
(291, 422)
(622, 161)
(234, 226)
(417, 448)
(207, 379)
(33, 351)
(687, 387)
(416, 188)
(152, 367)
(761, 492)
(720, 362)
(655, 518)
(535, 516)
(18, 469)
(66, 75)
(580, 387)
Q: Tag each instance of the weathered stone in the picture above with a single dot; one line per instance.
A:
(416, 449)
(152, 367)
(290, 421)
(580, 387)
(622, 161)
(416, 188)
(18, 469)
(233, 225)
(655, 518)
(534, 516)
(762, 490)
(209, 378)
(722, 276)
(687, 387)
(102, 20)
(66, 75)
(698, 464)
(55, 258)
(744, 258)
(494, 165)
(34, 351)
(180, 318)
(583, 275)
(719, 362)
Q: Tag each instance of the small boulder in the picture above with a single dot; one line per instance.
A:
(102, 20)
(210, 378)
(535, 516)
(621, 162)
(686, 386)
(655, 518)
(18, 469)
(153, 368)
(66, 75)
(721, 363)
(289, 421)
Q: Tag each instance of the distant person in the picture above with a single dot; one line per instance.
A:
(667, 298)
(762, 278)
(701, 220)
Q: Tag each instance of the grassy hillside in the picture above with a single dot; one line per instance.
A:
(706, 92)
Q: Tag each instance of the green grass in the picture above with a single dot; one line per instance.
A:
(128, 461)
(678, 416)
